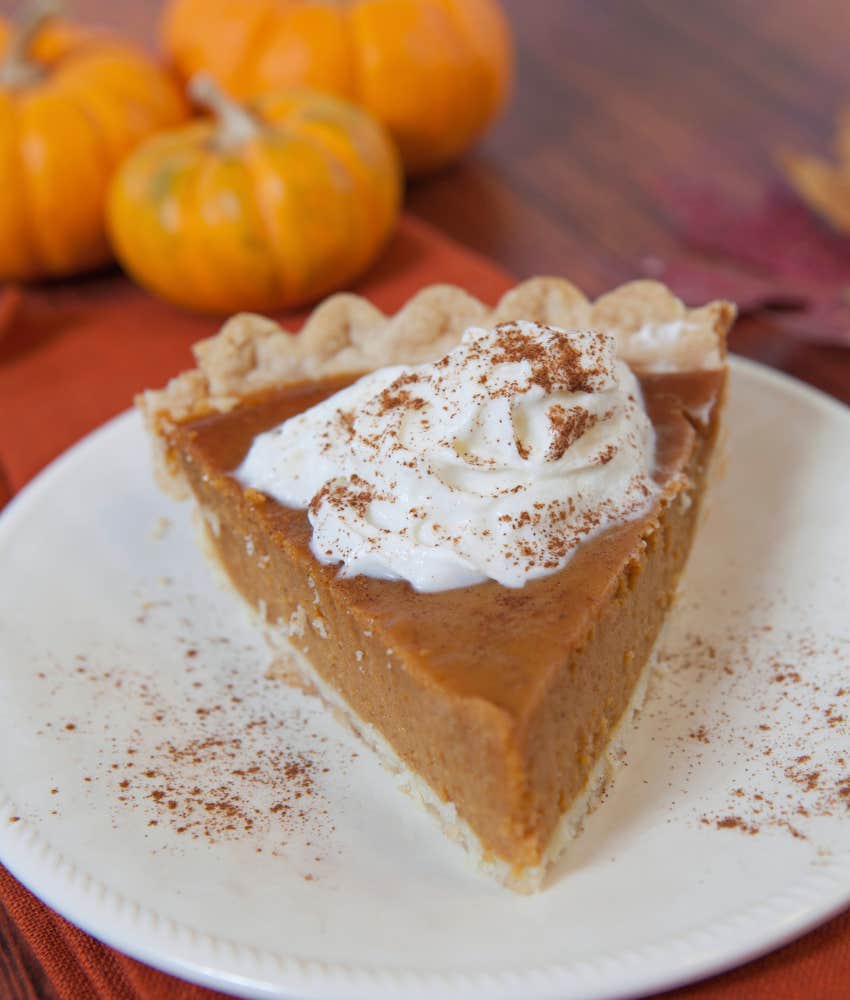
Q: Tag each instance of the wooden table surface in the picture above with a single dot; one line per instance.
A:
(609, 98)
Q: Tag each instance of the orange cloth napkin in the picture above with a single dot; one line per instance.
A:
(71, 356)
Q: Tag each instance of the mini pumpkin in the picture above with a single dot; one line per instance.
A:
(435, 72)
(271, 205)
(72, 105)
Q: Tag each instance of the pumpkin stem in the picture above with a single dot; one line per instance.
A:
(236, 125)
(18, 69)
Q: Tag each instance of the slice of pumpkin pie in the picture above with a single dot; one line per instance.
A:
(465, 525)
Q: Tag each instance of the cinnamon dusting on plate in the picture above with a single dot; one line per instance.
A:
(214, 755)
(788, 772)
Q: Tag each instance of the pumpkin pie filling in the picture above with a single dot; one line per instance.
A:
(500, 701)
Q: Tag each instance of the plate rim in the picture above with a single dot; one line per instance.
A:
(179, 949)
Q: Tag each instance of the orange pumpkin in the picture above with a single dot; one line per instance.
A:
(435, 72)
(72, 105)
(272, 205)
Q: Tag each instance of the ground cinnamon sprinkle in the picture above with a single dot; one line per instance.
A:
(203, 761)
(735, 823)
(550, 367)
(568, 425)
(787, 753)
(224, 786)
(358, 496)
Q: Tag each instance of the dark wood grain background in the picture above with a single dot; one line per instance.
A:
(611, 97)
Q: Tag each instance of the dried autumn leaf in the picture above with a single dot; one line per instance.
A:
(823, 185)
(773, 256)
(695, 279)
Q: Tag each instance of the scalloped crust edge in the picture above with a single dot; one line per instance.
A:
(654, 330)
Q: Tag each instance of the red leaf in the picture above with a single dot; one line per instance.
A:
(696, 280)
(772, 256)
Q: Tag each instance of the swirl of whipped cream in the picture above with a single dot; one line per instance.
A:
(494, 462)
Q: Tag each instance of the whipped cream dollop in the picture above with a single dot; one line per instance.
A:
(494, 462)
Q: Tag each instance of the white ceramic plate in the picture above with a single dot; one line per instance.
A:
(129, 680)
